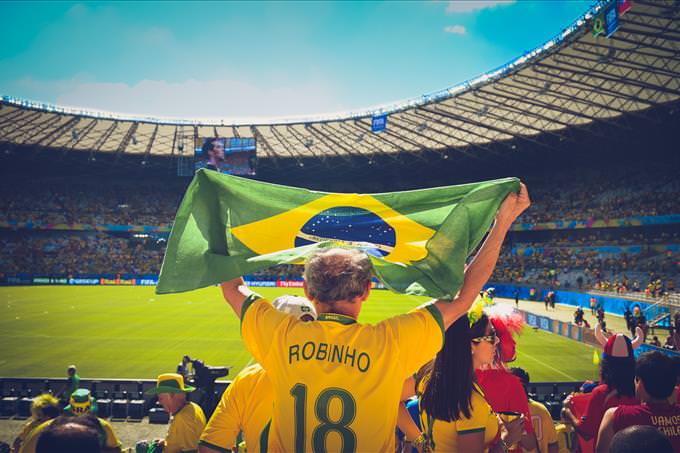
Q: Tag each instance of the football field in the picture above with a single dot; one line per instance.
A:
(130, 332)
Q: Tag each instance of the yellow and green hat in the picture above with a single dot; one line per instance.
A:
(80, 402)
(170, 383)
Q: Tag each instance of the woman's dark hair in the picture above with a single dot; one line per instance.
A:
(619, 373)
(448, 390)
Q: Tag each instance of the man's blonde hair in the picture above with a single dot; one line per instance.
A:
(337, 274)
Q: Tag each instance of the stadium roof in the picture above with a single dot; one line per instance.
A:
(575, 79)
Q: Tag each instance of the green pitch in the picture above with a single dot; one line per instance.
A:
(129, 332)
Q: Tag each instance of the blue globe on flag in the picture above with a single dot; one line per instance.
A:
(350, 226)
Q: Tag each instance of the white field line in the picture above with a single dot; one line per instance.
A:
(571, 378)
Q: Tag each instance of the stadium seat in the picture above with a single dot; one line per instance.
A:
(102, 389)
(136, 409)
(104, 407)
(119, 409)
(33, 388)
(24, 407)
(8, 406)
(9, 387)
(158, 415)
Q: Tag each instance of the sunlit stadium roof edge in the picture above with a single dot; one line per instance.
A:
(574, 79)
(487, 77)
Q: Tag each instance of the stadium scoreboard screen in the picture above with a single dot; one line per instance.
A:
(233, 155)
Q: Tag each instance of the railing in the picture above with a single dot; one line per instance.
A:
(668, 299)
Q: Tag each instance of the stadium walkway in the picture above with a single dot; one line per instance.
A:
(565, 313)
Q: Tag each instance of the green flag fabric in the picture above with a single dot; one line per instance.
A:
(418, 240)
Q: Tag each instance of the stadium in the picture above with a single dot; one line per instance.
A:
(589, 120)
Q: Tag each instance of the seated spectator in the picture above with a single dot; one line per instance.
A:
(44, 407)
(617, 373)
(655, 379)
(655, 341)
(540, 417)
(188, 419)
(70, 434)
(80, 405)
(246, 405)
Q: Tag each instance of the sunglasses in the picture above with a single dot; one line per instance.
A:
(492, 338)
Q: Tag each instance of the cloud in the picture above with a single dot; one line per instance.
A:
(231, 100)
(455, 29)
(465, 6)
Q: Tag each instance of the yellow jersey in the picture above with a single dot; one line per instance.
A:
(185, 429)
(246, 406)
(566, 438)
(337, 383)
(444, 435)
(544, 428)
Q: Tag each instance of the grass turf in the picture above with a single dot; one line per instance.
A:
(129, 332)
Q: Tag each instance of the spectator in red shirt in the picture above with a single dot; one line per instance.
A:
(503, 390)
(655, 379)
(617, 388)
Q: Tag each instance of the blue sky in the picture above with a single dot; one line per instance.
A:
(236, 60)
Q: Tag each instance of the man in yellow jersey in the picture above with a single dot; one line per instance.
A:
(337, 383)
(188, 419)
(246, 405)
(80, 404)
(544, 427)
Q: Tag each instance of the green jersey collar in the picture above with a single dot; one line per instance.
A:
(342, 319)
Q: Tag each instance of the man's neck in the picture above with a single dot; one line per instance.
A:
(341, 307)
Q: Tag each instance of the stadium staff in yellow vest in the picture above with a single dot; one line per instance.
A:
(188, 419)
(80, 404)
(246, 405)
(337, 383)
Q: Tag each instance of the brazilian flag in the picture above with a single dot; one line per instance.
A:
(418, 240)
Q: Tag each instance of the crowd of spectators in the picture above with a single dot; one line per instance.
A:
(581, 269)
(69, 254)
(594, 194)
(556, 264)
(92, 202)
(564, 259)
(586, 194)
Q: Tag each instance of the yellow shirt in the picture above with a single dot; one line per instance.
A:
(27, 428)
(185, 429)
(246, 405)
(445, 434)
(337, 383)
(544, 428)
(566, 438)
(108, 438)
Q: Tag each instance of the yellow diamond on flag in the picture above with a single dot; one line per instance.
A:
(280, 231)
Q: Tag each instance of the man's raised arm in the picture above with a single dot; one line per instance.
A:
(480, 269)
(235, 293)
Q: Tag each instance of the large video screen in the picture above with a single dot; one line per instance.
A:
(233, 155)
